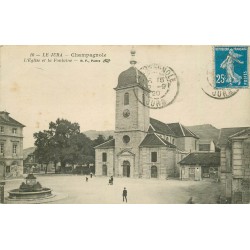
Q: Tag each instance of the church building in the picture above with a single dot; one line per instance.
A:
(142, 147)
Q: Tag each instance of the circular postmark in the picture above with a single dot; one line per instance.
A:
(219, 94)
(163, 86)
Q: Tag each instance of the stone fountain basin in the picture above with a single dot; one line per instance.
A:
(17, 194)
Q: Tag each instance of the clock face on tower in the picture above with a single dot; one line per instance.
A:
(126, 113)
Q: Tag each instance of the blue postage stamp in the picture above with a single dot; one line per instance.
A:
(231, 69)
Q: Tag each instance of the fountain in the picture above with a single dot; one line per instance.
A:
(31, 190)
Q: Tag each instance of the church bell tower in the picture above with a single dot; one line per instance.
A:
(132, 119)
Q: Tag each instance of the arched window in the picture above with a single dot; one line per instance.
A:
(126, 99)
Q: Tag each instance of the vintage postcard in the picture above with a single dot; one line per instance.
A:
(124, 125)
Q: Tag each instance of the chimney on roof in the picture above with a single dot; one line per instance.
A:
(4, 115)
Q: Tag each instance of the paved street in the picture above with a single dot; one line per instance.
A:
(140, 191)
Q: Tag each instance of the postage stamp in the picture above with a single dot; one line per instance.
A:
(208, 86)
(231, 67)
(163, 85)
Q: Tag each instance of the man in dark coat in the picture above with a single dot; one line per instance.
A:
(124, 194)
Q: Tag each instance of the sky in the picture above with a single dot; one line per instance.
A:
(35, 93)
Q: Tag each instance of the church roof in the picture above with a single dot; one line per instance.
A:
(6, 119)
(152, 140)
(132, 77)
(161, 127)
(202, 158)
(181, 131)
(227, 132)
(174, 129)
(107, 144)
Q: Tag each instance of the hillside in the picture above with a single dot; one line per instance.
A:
(205, 131)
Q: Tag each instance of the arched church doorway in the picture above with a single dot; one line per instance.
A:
(104, 170)
(153, 172)
(126, 168)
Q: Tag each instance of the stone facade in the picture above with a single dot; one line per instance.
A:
(142, 146)
(106, 163)
(11, 146)
(191, 172)
(234, 171)
(163, 167)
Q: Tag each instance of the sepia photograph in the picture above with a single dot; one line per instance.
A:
(124, 124)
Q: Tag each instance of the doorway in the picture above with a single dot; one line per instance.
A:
(153, 172)
(191, 173)
(126, 168)
(104, 170)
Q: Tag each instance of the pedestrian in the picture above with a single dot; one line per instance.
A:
(190, 201)
(87, 179)
(91, 175)
(112, 180)
(124, 194)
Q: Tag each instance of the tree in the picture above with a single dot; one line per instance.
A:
(64, 143)
(99, 140)
(43, 148)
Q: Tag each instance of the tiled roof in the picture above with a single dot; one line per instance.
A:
(241, 133)
(107, 144)
(181, 131)
(161, 127)
(10, 121)
(226, 132)
(132, 77)
(152, 140)
(173, 129)
(202, 158)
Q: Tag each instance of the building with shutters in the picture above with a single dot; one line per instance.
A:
(142, 147)
(11, 146)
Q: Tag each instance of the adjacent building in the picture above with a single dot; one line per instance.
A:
(206, 145)
(11, 146)
(234, 170)
(142, 147)
(199, 165)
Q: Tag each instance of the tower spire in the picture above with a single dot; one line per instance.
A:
(133, 60)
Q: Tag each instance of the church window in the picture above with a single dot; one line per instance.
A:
(104, 157)
(153, 156)
(143, 99)
(126, 139)
(2, 148)
(126, 99)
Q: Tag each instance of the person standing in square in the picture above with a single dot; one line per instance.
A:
(124, 194)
